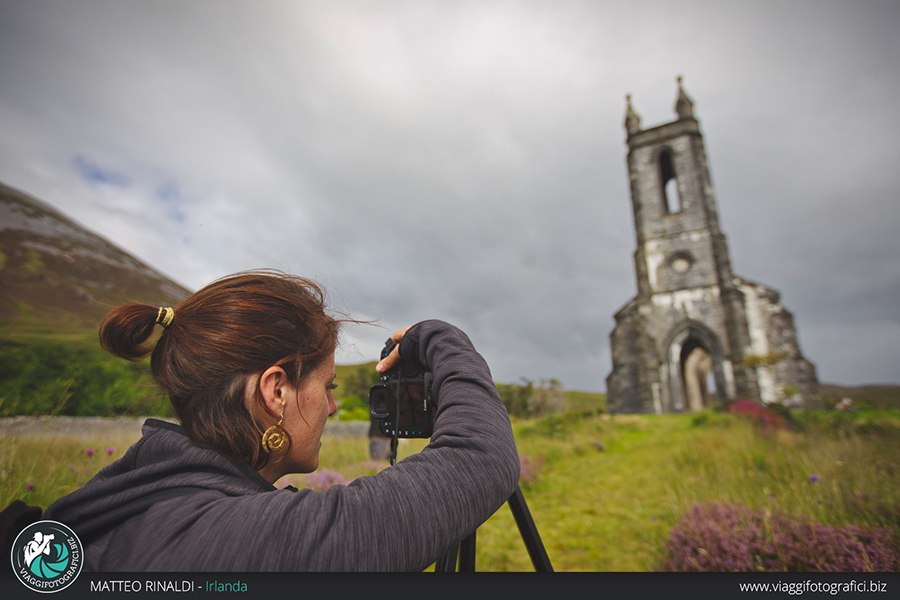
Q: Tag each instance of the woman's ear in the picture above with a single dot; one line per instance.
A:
(273, 387)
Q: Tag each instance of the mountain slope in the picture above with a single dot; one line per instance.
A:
(57, 276)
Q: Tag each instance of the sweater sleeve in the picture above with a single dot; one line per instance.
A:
(410, 514)
(402, 519)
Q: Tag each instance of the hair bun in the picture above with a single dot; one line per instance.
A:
(127, 328)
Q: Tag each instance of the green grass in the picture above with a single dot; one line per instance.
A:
(54, 464)
(607, 489)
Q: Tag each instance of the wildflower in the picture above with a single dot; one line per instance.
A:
(727, 537)
(110, 450)
(760, 415)
(90, 451)
(29, 486)
(324, 479)
(529, 468)
(814, 478)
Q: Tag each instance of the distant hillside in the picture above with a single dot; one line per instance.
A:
(863, 396)
(57, 276)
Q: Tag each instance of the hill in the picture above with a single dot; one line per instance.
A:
(58, 280)
(58, 276)
(877, 396)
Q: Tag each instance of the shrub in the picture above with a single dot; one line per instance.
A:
(321, 479)
(700, 420)
(847, 424)
(785, 412)
(726, 537)
(762, 416)
(78, 378)
(559, 425)
(529, 469)
(533, 400)
(353, 408)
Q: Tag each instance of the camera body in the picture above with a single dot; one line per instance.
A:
(403, 402)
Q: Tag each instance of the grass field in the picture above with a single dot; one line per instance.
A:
(604, 491)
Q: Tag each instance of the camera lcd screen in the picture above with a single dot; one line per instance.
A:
(414, 410)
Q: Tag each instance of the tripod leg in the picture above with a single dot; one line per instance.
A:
(529, 532)
(447, 563)
(467, 554)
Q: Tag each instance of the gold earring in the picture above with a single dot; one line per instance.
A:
(274, 438)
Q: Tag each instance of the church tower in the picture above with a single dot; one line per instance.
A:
(695, 334)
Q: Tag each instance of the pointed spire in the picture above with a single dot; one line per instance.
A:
(684, 106)
(632, 120)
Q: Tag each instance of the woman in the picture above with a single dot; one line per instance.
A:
(248, 364)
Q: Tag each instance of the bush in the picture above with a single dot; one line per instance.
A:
(50, 377)
(784, 412)
(762, 416)
(558, 425)
(529, 469)
(845, 424)
(352, 408)
(321, 479)
(533, 400)
(726, 537)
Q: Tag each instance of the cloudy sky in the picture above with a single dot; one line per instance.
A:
(466, 160)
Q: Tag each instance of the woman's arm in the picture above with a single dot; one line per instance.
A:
(409, 515)
(402, 519)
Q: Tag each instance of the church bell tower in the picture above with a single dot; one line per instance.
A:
(695, 335)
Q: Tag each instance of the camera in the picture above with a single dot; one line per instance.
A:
(402, 402)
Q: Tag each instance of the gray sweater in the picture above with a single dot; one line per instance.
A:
(402, 519)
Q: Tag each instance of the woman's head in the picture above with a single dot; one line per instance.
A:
(210, 357)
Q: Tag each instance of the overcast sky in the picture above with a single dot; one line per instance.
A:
(466, 160)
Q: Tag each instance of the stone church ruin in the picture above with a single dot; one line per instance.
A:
(695, 334)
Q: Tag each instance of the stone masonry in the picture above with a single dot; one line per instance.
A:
(695, 334)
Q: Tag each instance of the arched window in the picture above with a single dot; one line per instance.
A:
(671, 199)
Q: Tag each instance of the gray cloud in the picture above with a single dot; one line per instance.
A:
(465, 160)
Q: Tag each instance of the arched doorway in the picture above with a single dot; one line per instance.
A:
(694, 367)
(696, 372)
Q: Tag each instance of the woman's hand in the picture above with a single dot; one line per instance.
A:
(388, 362)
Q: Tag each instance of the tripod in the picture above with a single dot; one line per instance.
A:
(464, 554)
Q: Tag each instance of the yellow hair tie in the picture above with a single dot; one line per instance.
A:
(165, 316)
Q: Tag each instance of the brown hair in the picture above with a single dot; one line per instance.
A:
(221, 335)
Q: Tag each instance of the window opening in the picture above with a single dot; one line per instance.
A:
(670, 195)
